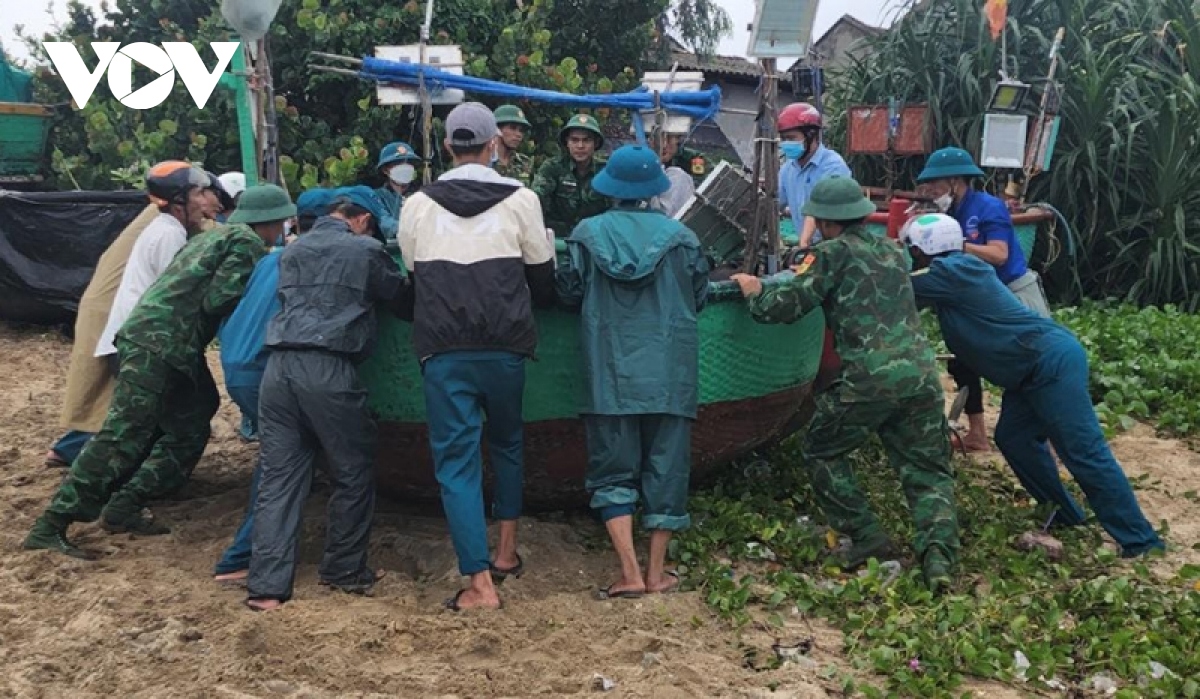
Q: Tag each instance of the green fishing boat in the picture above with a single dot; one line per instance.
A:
(755, 381)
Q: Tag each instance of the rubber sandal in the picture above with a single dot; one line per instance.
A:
(673, 588)
(53, 460)
(452, 603)
(606, 593)
(499, 574)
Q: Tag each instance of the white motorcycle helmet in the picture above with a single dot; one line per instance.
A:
(933, 234)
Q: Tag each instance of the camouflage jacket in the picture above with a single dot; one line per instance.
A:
(179, 314)
(566, 197)
(862, 281)
(692, 162)
(520, 167)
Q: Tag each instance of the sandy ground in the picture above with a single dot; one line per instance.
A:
(146, 620)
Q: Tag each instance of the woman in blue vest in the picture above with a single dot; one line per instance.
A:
(397, 163)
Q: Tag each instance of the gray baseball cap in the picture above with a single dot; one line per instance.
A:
(470, 124)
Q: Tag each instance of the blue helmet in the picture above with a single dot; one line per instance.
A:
(396, 152)
(314, 202)
(632, 172)
(362, 196)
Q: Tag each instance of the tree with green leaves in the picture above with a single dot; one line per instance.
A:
(330, 126)
(1125, 173)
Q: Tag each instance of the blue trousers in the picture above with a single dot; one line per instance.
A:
(1054, 404)
(70, 444)
(237, 556)
(460, 389)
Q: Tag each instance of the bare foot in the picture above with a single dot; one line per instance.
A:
(975, 445)
(236, 576)
(263, 605)
(669, 582)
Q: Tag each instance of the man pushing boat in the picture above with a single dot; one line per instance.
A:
(888, 383)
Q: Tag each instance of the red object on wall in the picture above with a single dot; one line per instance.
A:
(897, 216)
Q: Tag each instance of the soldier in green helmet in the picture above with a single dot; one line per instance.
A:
(564, 184)
(672, 153)
(888, 384)
(513, 125)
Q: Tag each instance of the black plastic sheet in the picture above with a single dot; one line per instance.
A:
(50, 243)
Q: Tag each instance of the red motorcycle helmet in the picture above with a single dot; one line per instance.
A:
(798, 115)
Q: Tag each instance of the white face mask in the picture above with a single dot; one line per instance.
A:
(402, 173)
(944, 202)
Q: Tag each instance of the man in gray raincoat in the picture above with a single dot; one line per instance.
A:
(640, 279)
(330, 281)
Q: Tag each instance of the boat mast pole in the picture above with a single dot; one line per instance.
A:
(426, 101)
(766, 175)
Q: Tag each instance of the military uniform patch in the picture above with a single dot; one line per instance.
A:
(806, 263)
(698, 166)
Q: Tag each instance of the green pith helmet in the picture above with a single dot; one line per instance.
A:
(586, 122)
(510, 114)
(838, 198)
(949, 162)
(262, 204)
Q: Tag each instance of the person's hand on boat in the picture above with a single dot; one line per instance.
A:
(751, 285)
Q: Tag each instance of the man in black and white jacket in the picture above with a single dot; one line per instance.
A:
(480, 259)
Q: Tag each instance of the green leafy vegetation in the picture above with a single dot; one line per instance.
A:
(1144, 365)
(1125, 172)
(755, 552)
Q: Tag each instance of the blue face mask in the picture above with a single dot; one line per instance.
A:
(792, 150)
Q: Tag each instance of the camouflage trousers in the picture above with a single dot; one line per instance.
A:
(153, 436)
(916, 439)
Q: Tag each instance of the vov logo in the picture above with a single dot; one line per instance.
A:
(173, 57)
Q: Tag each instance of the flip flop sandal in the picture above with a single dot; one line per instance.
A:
(356, 588)
(673, 588)
(53, 460)
(452, 603)
(499, 574)
(606, 593)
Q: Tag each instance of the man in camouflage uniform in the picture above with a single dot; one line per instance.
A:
(513, 126)
(158, 421)
(674, 154)
(564, 184)
(889, 382)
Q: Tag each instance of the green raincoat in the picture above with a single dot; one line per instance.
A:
(639, 279)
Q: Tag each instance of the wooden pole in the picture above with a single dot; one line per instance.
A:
(766, 176)
(426, 100)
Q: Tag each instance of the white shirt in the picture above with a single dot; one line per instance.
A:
(672, 201)
(151, 254)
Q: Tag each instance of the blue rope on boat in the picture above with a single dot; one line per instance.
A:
(701, 105)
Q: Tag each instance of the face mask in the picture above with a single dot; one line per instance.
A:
(495, 154)
(402, 173)
(943, 202)
(792, 150)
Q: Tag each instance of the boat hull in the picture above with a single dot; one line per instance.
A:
(755, 380)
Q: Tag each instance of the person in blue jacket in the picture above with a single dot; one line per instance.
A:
(397, 163)
(1044, 373)
(640, 278)
(988, 229)
(244, 359)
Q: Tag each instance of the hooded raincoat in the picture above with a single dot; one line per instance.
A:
(639, 279)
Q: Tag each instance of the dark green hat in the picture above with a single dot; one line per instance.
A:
(949, 162)
(510, 114)
(587, 122)
(262, 204)
(837, 198)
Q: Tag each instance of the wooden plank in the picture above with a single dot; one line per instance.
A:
(25, 109)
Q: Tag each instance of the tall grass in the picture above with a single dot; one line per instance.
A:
(1126, 170)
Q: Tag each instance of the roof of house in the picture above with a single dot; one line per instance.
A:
(723, 66)
(843, 21)
(708, 138)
